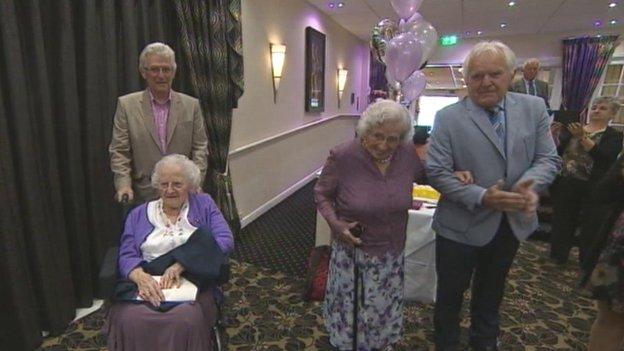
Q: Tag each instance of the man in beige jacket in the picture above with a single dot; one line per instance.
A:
(152, 123)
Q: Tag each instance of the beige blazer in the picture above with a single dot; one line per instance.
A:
(134, 147)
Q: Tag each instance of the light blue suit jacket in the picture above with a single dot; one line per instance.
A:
(463, 139)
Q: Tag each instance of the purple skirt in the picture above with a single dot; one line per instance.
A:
(187, 327)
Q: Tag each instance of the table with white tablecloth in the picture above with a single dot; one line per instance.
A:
(420, 274)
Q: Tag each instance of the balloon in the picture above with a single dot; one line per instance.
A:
(415, 17)
(425, 33)
(387, 29)
(405, 8)
(413, 86)
(403, 56)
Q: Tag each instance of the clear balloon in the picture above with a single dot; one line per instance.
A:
(424, 32)
(413, 86)
(406, 8)
(403, 56)
(402, 22)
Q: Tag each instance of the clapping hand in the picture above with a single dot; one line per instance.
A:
(531, 198)
(347, 237)
(576, 129)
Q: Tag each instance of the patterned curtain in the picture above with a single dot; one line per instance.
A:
(211, 39)
(584, 60)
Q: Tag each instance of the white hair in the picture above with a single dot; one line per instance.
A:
(531, 61)
(612, 102)
(158, 49)
(190, 170)
(382, 111)
(490, 47)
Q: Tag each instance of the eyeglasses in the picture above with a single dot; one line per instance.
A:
(381, 137)
(173, 185)
(156, 70)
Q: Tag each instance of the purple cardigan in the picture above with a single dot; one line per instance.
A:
(351, 188)
(202, 211)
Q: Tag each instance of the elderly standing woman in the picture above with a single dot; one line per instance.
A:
(368, 181)
(588, 152)
(180, 219)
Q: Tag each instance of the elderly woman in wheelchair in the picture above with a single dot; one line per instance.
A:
(179, 239)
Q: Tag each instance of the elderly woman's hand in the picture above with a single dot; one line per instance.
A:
(148, 286)
(172, 277)
(347, 237)
(464, 176)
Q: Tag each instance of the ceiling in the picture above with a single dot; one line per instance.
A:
(465, 17)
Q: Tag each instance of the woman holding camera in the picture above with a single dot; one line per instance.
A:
(364, 193)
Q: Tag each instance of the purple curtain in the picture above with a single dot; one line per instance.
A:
(584, 60)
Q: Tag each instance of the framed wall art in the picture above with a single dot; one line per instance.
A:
(314, 70)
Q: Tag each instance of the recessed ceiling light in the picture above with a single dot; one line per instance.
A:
(467, 33)
(503, 25)
(612, 4)
(597, 23)
(511, 3)
(613, 22)
(340, 4)
(331, 5)
(479, 32)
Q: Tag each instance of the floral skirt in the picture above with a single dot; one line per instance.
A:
(380, 296)
(607, 279)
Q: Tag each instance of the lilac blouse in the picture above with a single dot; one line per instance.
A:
(351, 188)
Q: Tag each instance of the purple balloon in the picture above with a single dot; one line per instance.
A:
(415, 17)
(403, 56)
(413, 86)
(424, 32)
(406, 8)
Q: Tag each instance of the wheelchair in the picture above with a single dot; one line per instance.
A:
(109, 274)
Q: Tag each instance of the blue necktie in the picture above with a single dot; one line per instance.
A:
(532, 88)
(497, 119)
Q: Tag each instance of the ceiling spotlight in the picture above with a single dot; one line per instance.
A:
(511, 3)
(331, 5)
(479, 32)
(612, 4)
(503, 25)
(613, 22)
(467, 33)
(340, 4)
(597, 23)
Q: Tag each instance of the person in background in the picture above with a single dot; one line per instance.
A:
(421, 142)
(156, 229)
(503, 139)
(603, 268)
(529, 84)
(152, 123)
(368, 182)
(588, 152)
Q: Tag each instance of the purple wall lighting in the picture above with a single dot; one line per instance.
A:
(597, 23)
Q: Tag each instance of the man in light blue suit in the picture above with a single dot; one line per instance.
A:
(503, 140)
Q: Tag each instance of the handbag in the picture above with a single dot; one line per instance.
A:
(318, 271)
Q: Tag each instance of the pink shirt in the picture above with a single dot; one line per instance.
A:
(161, 114)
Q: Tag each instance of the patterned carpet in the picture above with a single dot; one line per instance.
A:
(264, 310)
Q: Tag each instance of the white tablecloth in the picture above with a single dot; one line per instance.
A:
(420, 274)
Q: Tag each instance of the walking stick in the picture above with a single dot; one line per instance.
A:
(356, 232)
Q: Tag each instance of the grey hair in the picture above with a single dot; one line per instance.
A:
(531, 61)
(158, 49)
(490, 47)
(189, 169)
(382, 111)
(612, 102)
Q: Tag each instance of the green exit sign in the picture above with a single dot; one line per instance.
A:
(448, 40)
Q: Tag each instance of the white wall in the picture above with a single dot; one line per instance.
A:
(262, 173)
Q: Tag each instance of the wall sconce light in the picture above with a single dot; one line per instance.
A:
(342, 80)
(278, 55)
